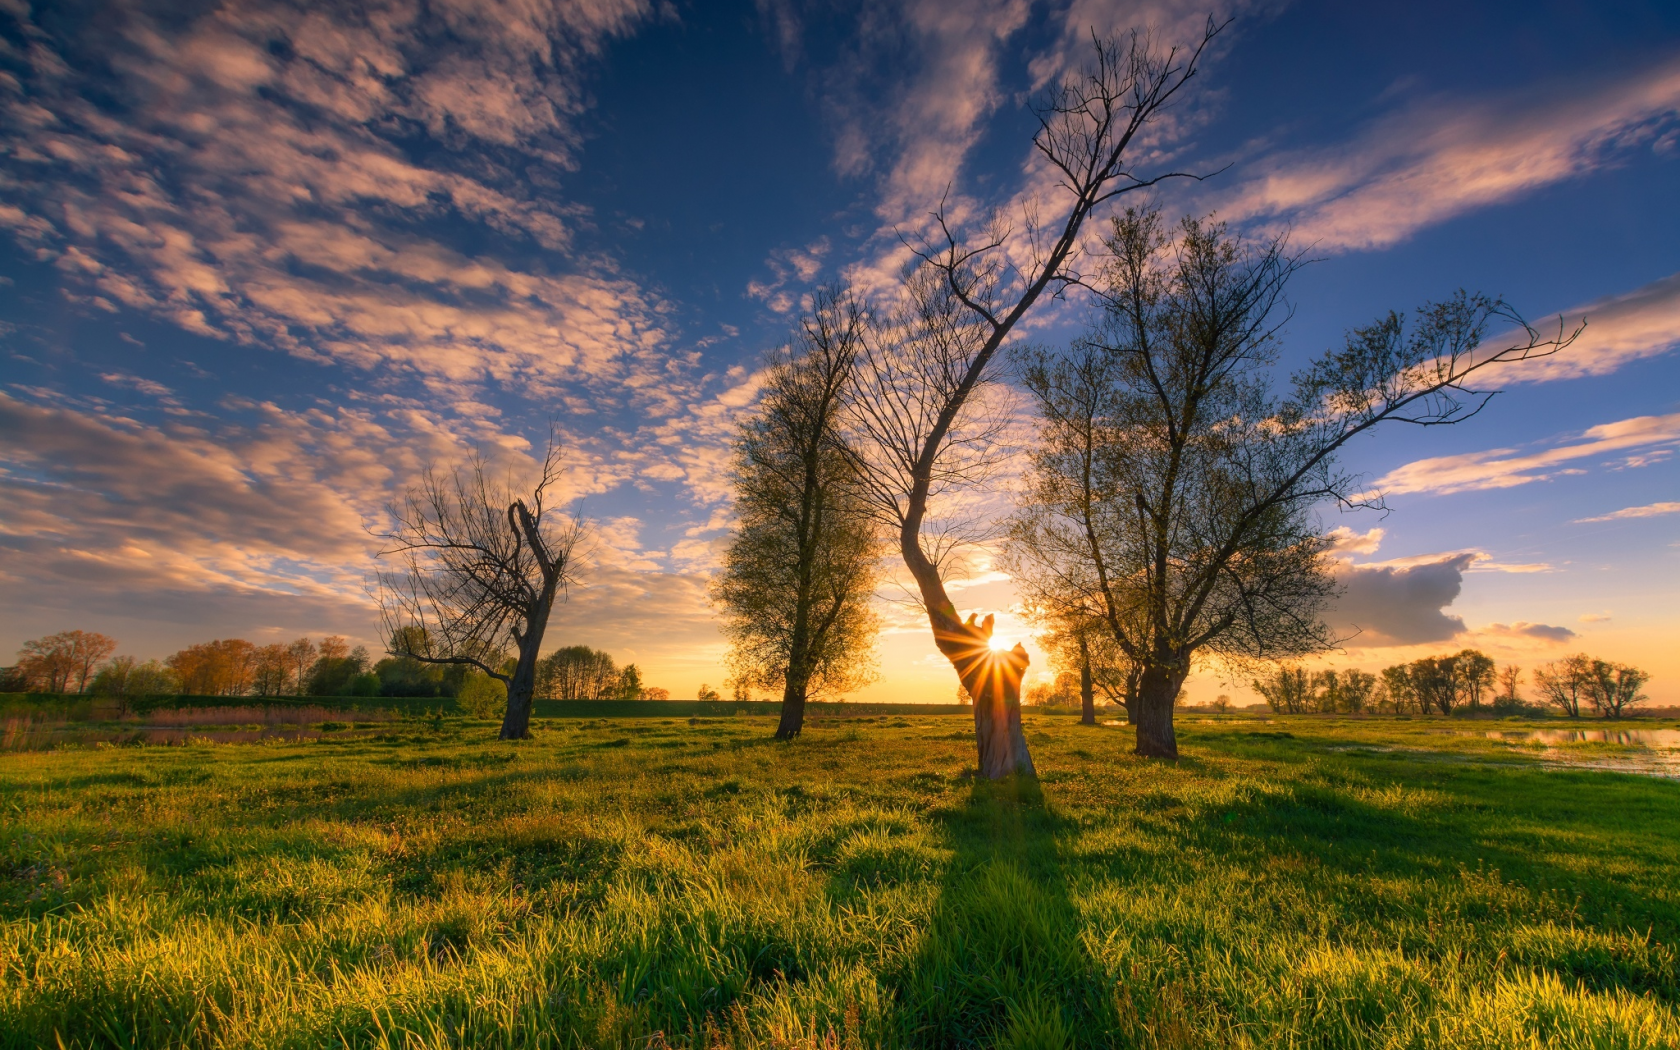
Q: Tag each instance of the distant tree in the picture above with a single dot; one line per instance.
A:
(1612, 688)
(482, 563)
(112, 679)
(1565, 683)
(801, 565)
(224, 667)
(1288, 689)
(1508, 700)
(577, 672)
(1222, 704)
(629, 682)
(300, 659)
(64, 662)
(706, 692)
(272, 671)
(1195, 529)
(332, 675)
(482, 696)
(1473, 671)
(333, 647)
(655, 692)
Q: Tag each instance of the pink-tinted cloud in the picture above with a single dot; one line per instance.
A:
(1507, 468)
(1442, 159)
(1649, 510)
(1620, 329)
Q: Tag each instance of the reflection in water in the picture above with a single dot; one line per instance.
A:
(1655, 752)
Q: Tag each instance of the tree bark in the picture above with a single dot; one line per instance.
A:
(1152, 714)
(516, 723)
(1087, 695)
(793, 709)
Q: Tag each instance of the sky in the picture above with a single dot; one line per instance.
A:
(262, 263)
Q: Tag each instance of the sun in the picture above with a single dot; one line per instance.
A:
(1000, 644)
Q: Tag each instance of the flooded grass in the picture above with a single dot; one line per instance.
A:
(47, 730)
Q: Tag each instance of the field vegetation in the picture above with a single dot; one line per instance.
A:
(1303, 882)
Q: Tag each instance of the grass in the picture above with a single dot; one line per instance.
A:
(689, 882)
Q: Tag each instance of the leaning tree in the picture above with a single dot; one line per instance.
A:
(920, 412)
(800, 570)
(1191, 526)
(481, 561)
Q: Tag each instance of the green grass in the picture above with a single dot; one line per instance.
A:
(1289, 883)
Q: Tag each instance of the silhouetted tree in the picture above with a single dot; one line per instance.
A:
(1612, 688)
(922, 413)
(482, 563)
(1200, 534)
(63, 662)
(1565, 683)
(1288, 689)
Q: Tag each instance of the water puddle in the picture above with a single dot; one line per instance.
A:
(1651, 752)
(38, 731)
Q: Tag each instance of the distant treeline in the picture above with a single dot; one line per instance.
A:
(1464, 682)
(83, 662)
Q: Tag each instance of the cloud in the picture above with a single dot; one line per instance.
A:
(1620, 329)
(259, 183)
(1344, 540)
(1391, 605)
(1441, 159)
(1649, 510)
(1508, 468)
(1594, 617)
(1524, 631)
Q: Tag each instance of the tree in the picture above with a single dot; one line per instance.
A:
(481, 563)
(272, 671)
(925, 432)
(223, 667)
(1564, 683)
(1288, 689)
(801, 565)
(336, 675)
(629, 683)
(1474, 672)
(300, 658)
(1199, 534)
(59, 661)
(577, 672)
(1508, 700)
(706, 692)
(1612, 688)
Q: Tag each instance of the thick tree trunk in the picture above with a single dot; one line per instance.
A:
(1152, 714)
(1087, 695)
(793, 710)
(516, 724)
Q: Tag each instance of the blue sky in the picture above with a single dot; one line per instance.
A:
(262, 262)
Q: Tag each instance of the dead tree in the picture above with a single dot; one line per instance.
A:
(916, 411)
(481, 565)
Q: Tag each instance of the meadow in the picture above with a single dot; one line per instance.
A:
(648, 882)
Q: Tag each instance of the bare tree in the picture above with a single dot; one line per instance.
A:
(1288, 689)
(481, 563)
(1205, 537)
(300, 657)
(802, 563)
(1564, 683)
(964, 296)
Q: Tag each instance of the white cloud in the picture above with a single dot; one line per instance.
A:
(1508, 468)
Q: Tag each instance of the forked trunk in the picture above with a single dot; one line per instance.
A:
(516, 724)
(1152, 714)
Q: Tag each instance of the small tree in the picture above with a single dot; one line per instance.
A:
(481, 563)
(300, 659)
(1612, 688)
(1288, 689)
(64, 662)
(629, 683)
(273, 671)
(1474, 674)
(1508, 700)
(1565, 683)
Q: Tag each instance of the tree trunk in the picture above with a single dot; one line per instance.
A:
(516, 724)
(1087, 696)
(1152, 714)
(793, 709)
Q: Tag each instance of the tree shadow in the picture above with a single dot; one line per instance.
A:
(1001, 962)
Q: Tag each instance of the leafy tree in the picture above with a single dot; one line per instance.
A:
(482, 561)
(1612, 688)
(1288, 689)
(63, 662)
(706, 692)
(801, 565)
(1195, 530)
(630, 682)
(482, 696)
(300, 659)
(224, 667)
(333, 675)
(577, 672)
(272, 672)
(1474, 672)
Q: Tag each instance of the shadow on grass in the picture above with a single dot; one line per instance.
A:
(1001, 963)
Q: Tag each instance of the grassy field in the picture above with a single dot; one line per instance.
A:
(650, 883)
